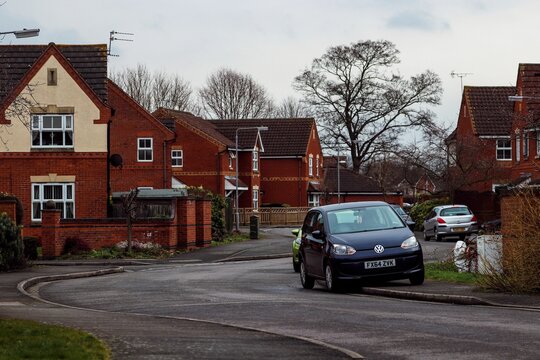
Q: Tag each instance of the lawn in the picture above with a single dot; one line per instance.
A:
(446, 271)
(22, 339)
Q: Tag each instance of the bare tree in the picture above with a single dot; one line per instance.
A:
(154, 90)
(228, 94)
(291, 108)
(361, 104)
(129, 205)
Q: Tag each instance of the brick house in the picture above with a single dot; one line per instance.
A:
(205, 156)
(140, 145)
(354, 187)
(53, 123)
(480, 147)
(526, 126)
(291, 166)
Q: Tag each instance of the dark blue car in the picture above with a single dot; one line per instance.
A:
(357, 241)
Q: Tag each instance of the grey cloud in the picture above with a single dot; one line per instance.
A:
(419, 20)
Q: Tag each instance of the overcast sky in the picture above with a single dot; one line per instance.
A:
(274, 40)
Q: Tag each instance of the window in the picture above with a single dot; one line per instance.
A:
(255, 160)
(177, 157)
(525, 145)
(317, 165)
(504, 149)
(144, 149)
(255, 198)
(62, 194)
(518, 147)
(313, 200)
(310, 165)
(52, 131)
(538, 143)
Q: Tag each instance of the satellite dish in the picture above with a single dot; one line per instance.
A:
(116, 160)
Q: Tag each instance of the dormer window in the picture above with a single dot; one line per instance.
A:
(52, 131)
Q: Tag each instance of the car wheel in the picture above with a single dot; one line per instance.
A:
(437, 236)
(417, 278)
(426, 237)
(332, 284)
(296, 266)
(307, 281)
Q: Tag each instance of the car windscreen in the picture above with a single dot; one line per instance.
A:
(363, 219)
(399, 211)
(455, 211)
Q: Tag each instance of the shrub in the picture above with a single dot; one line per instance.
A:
(421, 210)
(521, 247)
(11, 245)
(218, 218)
(31, 245)
(74, 246)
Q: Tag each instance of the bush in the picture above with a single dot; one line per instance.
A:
(419, 211)
(75, 246)
(521, 247)
(31, 245)
(218, 218)
(11, 245)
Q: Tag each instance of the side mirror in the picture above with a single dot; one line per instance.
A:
(295, 232)
(317, 234)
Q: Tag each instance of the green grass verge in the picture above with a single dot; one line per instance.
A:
(22, 339)
(446, 271)
(233, 238)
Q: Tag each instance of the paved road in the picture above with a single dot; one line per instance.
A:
(266, 295)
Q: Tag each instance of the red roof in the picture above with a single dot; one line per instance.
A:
(490, 109)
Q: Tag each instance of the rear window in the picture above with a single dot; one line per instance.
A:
(455, 211)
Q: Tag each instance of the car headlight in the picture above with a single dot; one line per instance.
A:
(409, 243)
(343, 250)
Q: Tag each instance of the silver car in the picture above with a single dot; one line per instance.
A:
(449, 220)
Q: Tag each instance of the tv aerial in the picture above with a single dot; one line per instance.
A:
(460, 76)
(113, 37)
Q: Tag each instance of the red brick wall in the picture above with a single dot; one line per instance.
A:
(129, 123)
(391, 199)
(89, 170)
(181, 232)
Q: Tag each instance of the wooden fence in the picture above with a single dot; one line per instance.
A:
(275, 216)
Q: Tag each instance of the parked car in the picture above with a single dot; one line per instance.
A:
(355, 241)
(404, 216)
(295, 246)
(450, 220)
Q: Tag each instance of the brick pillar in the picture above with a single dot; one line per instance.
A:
(204, 222)
(186, 222)
(51, 243)
(10, 208)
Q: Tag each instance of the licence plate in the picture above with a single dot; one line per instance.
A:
(380, 264)
(459, 229)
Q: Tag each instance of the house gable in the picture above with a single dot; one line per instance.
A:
(71, 94)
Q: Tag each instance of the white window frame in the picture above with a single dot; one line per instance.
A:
(255, 198)
(317, 165)
(314, 200)
(504, 149)
(255, 160)
(37, 126)
(39, 199)
(538, 143)
(310, 165)
(525, 145)
(179, 157)
(146, 149)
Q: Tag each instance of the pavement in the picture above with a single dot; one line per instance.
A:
(186, 338)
